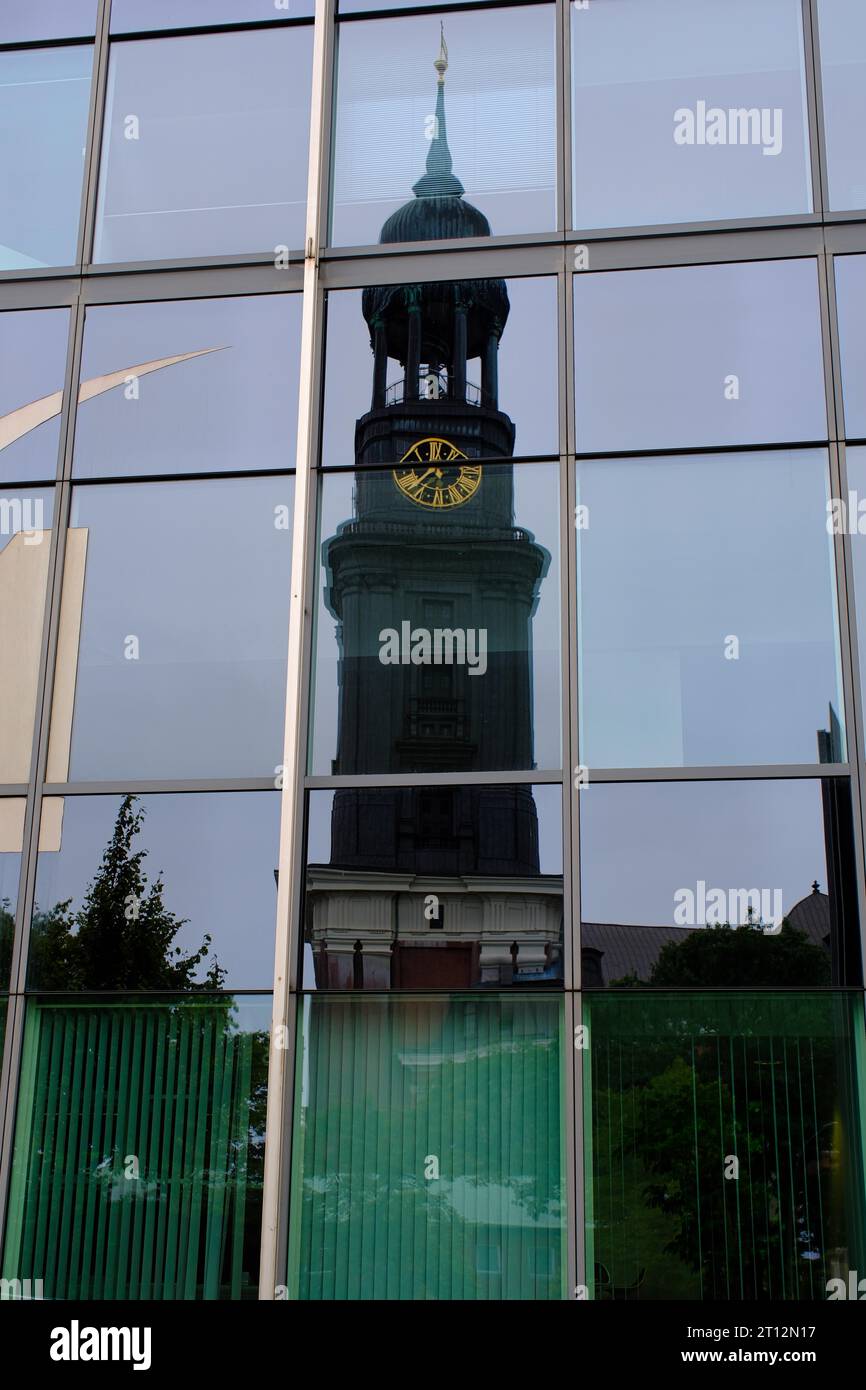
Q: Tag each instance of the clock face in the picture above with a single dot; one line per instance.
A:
(435, 473)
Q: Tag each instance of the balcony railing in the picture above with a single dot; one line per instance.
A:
(437, 386)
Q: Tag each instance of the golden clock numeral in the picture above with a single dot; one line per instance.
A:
(434, 454)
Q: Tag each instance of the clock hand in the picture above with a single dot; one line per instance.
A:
(424, 475)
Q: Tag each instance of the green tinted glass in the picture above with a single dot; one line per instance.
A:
(724, 1145)
(139, 1150)
(428, 1150)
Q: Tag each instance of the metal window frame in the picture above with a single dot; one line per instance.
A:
(313, 271)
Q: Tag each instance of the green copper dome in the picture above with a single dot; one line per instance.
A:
(438, 209)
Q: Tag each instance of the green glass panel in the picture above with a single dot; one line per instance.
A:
(139, 1149)
(725, 1145)
(428, 1151)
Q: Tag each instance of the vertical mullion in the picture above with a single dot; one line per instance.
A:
(815, 108)
(277, 1165)
(90, 181)
(575, 1196)
(564, 199)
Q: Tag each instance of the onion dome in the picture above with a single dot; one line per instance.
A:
(438, 210)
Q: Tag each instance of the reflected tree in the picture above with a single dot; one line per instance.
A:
(123, 936)
(734, 956)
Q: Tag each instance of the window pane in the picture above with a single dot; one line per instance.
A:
(718, 884)
(11, 848)
(707, 620)
(156, 893)
(139, 1150)
(681, 1085)
(447, 1159)
(205, 146)
(26, 517)
(391, 123)
(44, 99)
(47, 19)
(842, 33)
(851, 304)
(688, 111)
(176, 601)
(851, 519)
(32, 361)
(438, 631)
(696, 355)
(505, 401)
(433, 888)
(189, 386)
(129, 16)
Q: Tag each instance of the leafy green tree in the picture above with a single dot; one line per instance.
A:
(735, 956)
(123, 936)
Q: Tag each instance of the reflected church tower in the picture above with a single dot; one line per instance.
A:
(433, 589)
(432, 548)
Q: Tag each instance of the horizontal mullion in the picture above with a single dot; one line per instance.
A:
(447, 7)
(70, 41)
(418, 996)
(38, 275)
(134, 786)
(747, 772)
(489, 460)
(702, 244)
(476, 258)
(432, 779)
(189, 31)
(723, 990)
(108, 479)
(95, 274)
(136, 996)
(672, 451)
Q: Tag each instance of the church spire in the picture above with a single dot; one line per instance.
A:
(439, 181)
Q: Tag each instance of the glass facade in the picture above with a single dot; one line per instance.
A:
(432, 784)
(44, 97)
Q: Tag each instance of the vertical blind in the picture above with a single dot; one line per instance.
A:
(427, 1161)
(725, 1145)
(132, 1152)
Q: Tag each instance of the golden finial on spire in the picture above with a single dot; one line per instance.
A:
(441, 63)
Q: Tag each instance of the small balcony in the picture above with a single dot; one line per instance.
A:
(438, 385)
